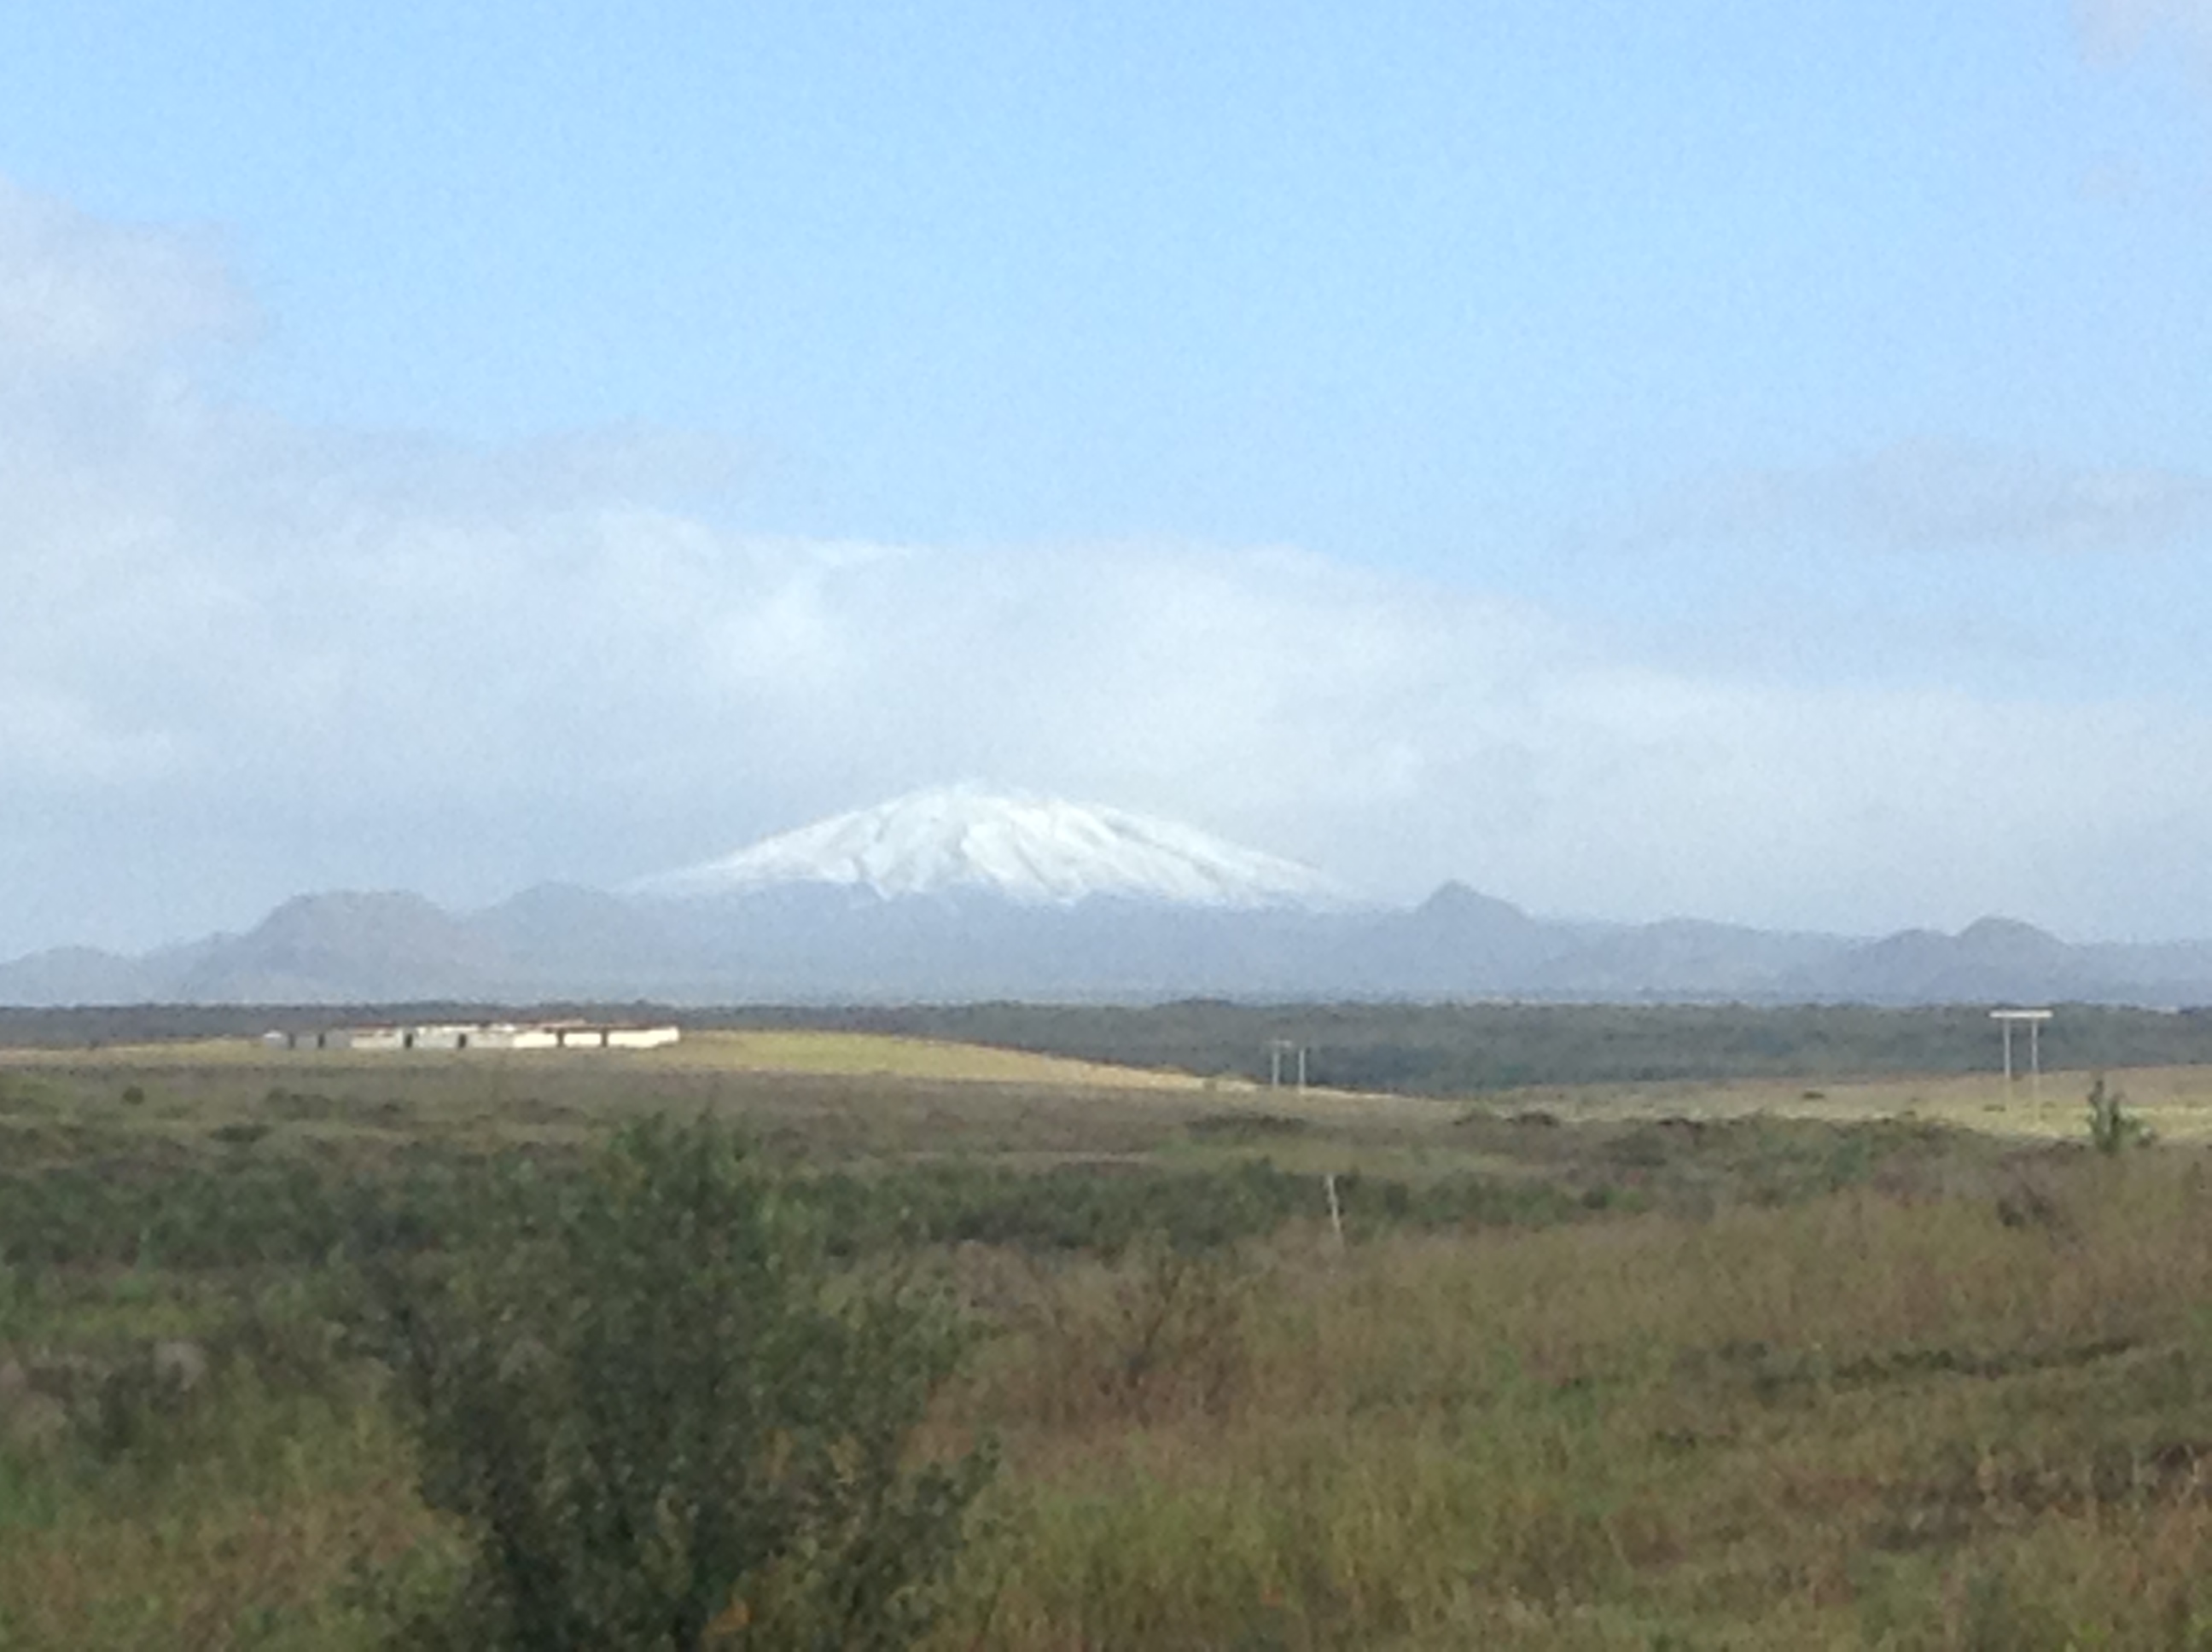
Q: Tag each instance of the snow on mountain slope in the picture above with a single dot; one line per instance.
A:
(1036, 850)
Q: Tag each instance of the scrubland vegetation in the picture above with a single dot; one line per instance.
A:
(302, 1354)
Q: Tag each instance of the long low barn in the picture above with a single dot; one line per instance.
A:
(480, 1035)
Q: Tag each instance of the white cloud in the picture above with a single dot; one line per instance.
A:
(246, 659)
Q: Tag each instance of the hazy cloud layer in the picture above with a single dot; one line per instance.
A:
(1934, 496)
(79, 292)
(248, 659)
(2117, 28)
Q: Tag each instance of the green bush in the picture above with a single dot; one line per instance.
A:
(2111, 1129)
(658, 1416)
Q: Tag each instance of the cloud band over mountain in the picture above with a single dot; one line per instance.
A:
(249, 657)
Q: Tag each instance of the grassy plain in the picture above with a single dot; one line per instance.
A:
(1764, 1364)
(2173, 1100)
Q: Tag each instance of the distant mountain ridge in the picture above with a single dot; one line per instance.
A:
(964, 894)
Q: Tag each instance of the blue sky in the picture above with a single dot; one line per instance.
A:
(1708, 430)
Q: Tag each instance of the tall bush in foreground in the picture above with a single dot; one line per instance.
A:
(660, 1422)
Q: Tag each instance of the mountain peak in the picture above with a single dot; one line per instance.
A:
(1457, 900)
(2006, 932)
(1017, 846)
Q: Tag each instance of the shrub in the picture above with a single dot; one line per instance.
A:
(1163, 1334)
(659, 1418)
(2109, 1127)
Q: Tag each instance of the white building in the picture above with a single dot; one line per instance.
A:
(481, 1035)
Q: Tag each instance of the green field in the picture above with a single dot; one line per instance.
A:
(1780, 1361)
(2174, 1100)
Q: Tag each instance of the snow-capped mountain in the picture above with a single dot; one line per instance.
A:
(1036, 851)
(1029, 897)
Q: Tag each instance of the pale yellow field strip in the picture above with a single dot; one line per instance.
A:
(886, 1056)
(835, 1054)
(2175, 1103)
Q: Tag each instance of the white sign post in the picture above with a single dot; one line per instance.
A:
(2034, 1020)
